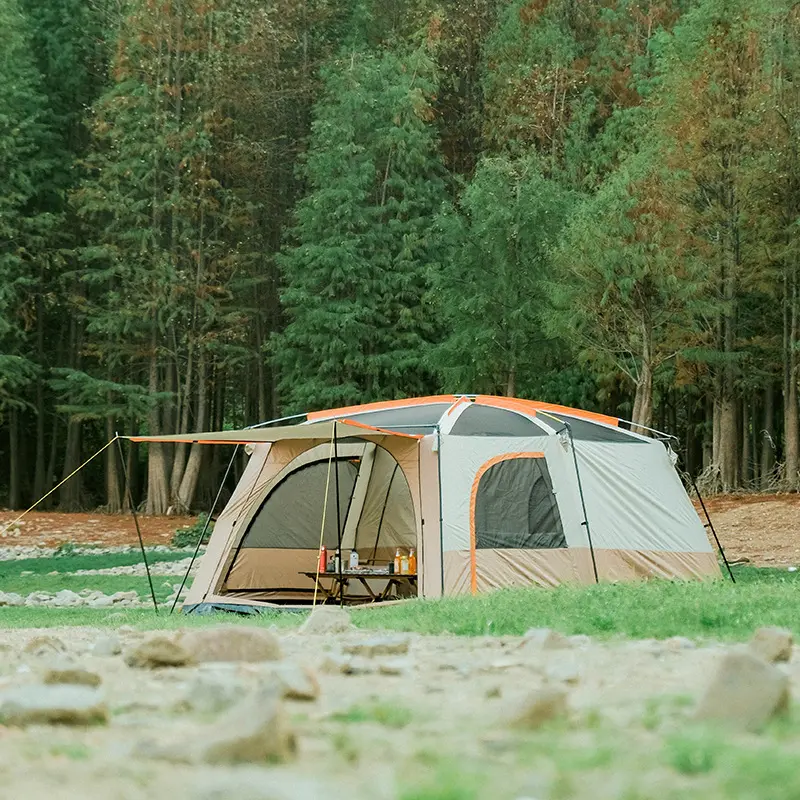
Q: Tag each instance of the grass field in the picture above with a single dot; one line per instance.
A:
(656, 609)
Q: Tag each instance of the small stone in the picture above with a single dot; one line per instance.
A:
(11, 599)
(541, 706)
(44, 646)
(379, 646)
(54, 572)
(563, 673)
(106, 647)
(492, 692)
(231, 643)
(67, 598)
(158, 650)
(395, 666)
(296, 682)
(745, 693)
(326, 619)
(52, 705)
(100, 602)
(678, 643)
(335, 664)
(772, 644)
(72, 675)
(212, 693)
(580, 640)
(544, 639)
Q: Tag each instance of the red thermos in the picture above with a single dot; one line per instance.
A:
(323, 559)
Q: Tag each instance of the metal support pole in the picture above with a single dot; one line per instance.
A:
(205, 528)
(338, 514)
(710, 526)
(583, 502)
(136, 523)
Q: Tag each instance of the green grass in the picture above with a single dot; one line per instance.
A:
(11, 569)
(393, 716)
(657, 609)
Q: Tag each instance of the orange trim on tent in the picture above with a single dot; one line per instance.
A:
(316, 416)
(380, 430)
(473, 497)
(531, 406)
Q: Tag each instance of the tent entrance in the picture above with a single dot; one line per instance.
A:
(369, 507)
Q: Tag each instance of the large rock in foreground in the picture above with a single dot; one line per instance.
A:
(52, 705)
(745, 693)
(772, 644)
(326, 619)
(231, 643)
(158, 650)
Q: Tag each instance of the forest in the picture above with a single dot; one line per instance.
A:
(218, 212)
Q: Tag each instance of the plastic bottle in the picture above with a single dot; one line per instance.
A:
(412, 561)
(353, 559)
(323, 559)
(397, 559)
(337, 561)
(404, 565)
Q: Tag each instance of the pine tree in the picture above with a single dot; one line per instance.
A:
(364, 238)
(491, 294)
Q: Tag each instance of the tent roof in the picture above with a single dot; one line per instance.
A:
(317, 430)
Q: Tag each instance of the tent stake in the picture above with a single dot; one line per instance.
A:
(583, 502)
(710, 526)
(338, 514)
(136, 523)
(205, 528)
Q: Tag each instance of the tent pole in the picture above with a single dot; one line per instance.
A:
(338, 513)
(583, 501)
(136, 523)
(710, 526)
(441, 510)
(383, 511)
(205, 528)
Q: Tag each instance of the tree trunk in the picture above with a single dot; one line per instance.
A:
(14, 484)
(192, 472)
(729, 434)
(69, 495)
(767, 436)
(511, 382)
(39, 478)
(179, 455)
(113, 483)
(157, 481)
(790, 420)
(745, 466)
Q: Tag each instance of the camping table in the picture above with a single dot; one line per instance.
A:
(362, 575)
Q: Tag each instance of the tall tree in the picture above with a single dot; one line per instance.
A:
(364, 238)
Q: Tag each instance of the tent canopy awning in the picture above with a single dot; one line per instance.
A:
(315, 430)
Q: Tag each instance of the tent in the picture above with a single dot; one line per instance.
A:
(492, 492)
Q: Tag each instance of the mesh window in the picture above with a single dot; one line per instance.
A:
(587, 431)
(291, 514)
(515, 507)
(477, 420)
(411, 419)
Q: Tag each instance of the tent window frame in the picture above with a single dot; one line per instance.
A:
(484, 469)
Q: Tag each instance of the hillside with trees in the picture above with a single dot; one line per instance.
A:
(217, 213)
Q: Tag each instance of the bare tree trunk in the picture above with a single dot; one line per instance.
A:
(643, 399)
(709, 437)
(767, 436)
(790, 419)
(745, 466)
(113, 483)
(15, 467)
(511, 383)
(39, 479)
(69, 495)
(192, 472)
(180, 452)
(157, 481)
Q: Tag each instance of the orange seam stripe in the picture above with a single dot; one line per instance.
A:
(473, 496)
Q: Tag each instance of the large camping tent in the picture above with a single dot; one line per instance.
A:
(492, 492)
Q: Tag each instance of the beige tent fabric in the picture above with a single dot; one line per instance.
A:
(548, 568)
(429, 569)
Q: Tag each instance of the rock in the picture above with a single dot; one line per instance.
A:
(379, 646)
(678, 643)
(38, 599)
(100, 602)
(107, 646)
(44, 646)
(52, 705)
(543, 705)
(256, 730)
(335, 664)
(211, 693)
(11, 599)
(72, 675)
(745, 693)
(580, 640)
(563, 673)
(158, 650)
(296, 682)
(326, 619)
(772, 644)
(51, 574)
(67, 598)
(544, 639)
(122, 597)
(395, 666)
(231, 643)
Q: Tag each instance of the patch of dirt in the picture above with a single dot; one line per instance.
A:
(108, 530)
(763, 529)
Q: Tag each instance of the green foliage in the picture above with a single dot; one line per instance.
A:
(388, 714)
(693, 753)
(188, 536)
(355, 271)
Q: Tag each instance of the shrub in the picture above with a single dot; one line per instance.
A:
(186, 537)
